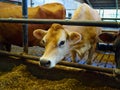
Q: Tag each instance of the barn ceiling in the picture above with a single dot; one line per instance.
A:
(103, 4)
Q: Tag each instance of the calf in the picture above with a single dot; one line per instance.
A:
(60, 40)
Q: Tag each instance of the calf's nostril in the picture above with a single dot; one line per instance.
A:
(45, 63)
(48, 63)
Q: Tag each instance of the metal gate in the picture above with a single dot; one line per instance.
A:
(26, 21)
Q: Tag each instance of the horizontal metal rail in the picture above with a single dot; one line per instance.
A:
(64, 22)
(110, 18)
(102, 18)
(64, 63)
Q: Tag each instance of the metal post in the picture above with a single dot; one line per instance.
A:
(89, 2)
(116, 9)
(117, 55)
(25, 26)
(99, 11)
(31, 3)
(103, 13)
(117, 51)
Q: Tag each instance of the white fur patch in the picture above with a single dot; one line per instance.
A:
(58, 53)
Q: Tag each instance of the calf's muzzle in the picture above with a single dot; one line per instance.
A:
(45, 63)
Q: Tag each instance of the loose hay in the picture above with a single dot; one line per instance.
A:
(20, 79)
(30, 77)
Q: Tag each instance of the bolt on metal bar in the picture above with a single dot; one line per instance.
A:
(64, 22)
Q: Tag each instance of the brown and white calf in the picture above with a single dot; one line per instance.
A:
(60, 40)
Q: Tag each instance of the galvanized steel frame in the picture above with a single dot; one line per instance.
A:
(65, 22)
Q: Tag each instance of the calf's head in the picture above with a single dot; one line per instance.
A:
(57, 43)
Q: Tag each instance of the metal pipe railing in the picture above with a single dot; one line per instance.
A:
(64, 22)
(64, 63)
(110, 18)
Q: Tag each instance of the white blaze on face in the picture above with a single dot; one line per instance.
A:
(55, 49)
(57, 41)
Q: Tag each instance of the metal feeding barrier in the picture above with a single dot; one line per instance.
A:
(65, 22)
(26, 21)
(69, 64)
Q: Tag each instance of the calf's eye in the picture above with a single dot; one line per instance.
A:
(61, 43)
(43, 41)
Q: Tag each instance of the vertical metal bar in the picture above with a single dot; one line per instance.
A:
(99, 12)
(31, 3)
(116, 9)
(117, 51)
(103, 13)
(25, 26)
(89, 2)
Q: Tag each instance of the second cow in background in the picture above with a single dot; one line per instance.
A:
(11, 33)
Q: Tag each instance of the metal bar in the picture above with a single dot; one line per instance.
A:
(65, 22)
(116, 8)
(89, 2)
(117, 51)
(87, 67)
(102, 18)
(103, 13)
(75, 65)
(25, 26)
(31, 3)
(110, 18)
(25, 56)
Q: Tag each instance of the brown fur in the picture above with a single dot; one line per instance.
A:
(12, 33)
(89, 34)
(54, 33)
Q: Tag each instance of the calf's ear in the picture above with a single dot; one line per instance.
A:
(39, 33)
(75, 37)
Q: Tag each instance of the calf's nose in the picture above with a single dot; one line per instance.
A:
(45, 63)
